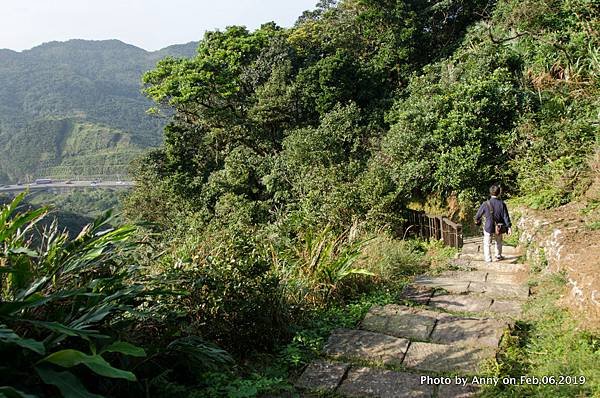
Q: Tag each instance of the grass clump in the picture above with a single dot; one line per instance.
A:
(548, 343)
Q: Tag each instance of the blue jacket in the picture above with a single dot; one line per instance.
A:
(500, 214)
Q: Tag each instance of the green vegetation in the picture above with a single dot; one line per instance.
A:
(266, 119)
(68, 149)
(273, 210)
(292, 151)
(98, 312)
(89, 202)
(55, 298)
(75, 108)
(548, 343)
(73, 210)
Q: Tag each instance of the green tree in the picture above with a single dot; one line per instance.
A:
(453, 133)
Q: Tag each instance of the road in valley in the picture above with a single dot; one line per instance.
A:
(63, 185)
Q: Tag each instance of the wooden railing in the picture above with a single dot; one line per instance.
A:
(434, 227)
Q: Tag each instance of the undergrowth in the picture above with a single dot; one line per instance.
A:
(548, 343)
(272, 373)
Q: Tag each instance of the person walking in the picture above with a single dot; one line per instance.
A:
(497, 223)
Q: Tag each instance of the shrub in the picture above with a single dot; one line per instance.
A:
(323, 265)
(57, 299)
(392, 260)
(231, 293)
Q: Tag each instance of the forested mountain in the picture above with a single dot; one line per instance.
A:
(75, 108)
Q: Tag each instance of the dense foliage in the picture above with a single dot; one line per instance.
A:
(338, 124)
(276, 202)
(55, 297)
(75, 108)
(101, 312)
(344, 117)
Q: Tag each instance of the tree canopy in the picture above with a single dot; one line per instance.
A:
(418, 99)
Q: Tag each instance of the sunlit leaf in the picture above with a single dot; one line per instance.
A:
(69, 358)
(125, 348)
(23, 250)
(63, 329)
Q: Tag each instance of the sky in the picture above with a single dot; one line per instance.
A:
(149, 24)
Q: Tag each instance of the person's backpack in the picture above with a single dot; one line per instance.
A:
(499, 227)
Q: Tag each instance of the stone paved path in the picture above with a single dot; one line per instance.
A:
(450, 324)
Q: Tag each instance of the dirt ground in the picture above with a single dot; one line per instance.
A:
(579, 225)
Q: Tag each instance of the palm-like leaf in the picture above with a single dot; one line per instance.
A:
(61, 290)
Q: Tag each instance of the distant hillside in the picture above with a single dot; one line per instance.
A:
(75, 107)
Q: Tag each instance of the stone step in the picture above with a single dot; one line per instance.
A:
(480, 265)
(466, 300)
(509, 278)
(498, 267)
(352, 344)
(446, 358)
(472, 239)
(472, 332)
(417, 294)
(416, 324)
(401, 321)
(452, 285)
(470, 276)
(322, 376)
(493, 276)
(474, 303)
(508, 259)
(509, 308)
(500, 290)
(477, 248)
(490, 289)
(380, 383)
(460, 302)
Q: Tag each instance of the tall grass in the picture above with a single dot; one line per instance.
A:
(548, 343)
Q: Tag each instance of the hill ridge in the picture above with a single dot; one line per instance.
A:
(96, 83)
(96, 41)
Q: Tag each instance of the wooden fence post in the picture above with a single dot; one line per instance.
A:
(436, 227)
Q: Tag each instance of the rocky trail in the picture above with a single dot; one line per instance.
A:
(450, 325)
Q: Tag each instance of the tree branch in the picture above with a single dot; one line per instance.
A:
(500, 41)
